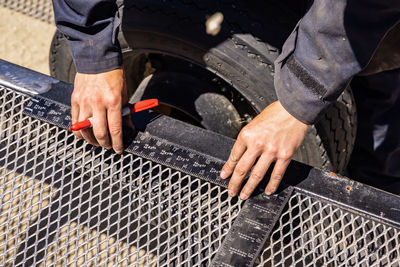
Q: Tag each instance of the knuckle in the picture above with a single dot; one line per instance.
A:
(115, 131)
(233, 158)
(277, 177)
(85, 99)
(272, 150)
(75, 97)
(230, 165)
(240, 171)
(113, 101)
(97, 99)
(101, 135)
(256, 176)
(285, 154)
(259, 145)
(245, 134)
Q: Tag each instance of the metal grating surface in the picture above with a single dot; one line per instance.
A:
(312, 233)
(39, 9)
(63, 203)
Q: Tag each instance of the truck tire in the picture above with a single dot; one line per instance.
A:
(168, 38)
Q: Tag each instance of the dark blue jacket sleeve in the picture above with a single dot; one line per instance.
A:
(334, 41)
(91, 28)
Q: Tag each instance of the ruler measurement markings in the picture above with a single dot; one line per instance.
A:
(251, 228)
(254, 222)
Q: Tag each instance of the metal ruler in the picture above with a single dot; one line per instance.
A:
(251, 228)
(256, 219)
(49, 111)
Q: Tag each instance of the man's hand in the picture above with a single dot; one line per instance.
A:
(273, 136)
(102, 97)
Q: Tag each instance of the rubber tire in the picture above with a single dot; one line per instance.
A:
(206, 108)
(177, 28)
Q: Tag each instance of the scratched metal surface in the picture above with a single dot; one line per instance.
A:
(64, 204)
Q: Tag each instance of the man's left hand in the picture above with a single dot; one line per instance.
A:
(273, 136)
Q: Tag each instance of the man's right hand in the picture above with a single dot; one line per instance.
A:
(102, 97)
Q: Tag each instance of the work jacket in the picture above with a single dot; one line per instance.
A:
(333, 42)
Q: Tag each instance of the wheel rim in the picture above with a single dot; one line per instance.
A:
(187, 92)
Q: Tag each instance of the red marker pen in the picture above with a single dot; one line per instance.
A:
(139, 106)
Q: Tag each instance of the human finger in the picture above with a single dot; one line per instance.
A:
(242, 168)
(236, 153)
(257, 174)
(87, 134)
(114, 118)
(75, 117)
(277, 175)
(100, 129)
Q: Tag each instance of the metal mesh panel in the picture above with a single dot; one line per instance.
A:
(312, 233)
(63, 203)
(40, 9)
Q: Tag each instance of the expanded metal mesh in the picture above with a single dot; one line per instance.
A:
(39, 9)
(312, 233)
(64, 203)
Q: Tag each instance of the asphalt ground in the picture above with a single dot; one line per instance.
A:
(25, 40)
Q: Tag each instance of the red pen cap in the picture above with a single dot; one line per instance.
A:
(143, 105)
(139, 106)
(80, 125)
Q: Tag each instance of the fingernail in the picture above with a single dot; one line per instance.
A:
(231, 193)
(223, 174)
(268, 192)
(243, 196)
